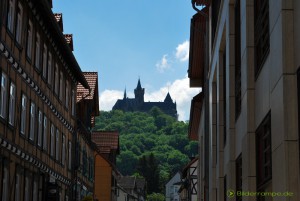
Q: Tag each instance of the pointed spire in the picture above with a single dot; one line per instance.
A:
(168, 98)
(139, 86)
(125, 94)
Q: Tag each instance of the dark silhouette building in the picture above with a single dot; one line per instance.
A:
(138, 104)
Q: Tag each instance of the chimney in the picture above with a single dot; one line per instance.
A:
(69, 39)
(58, 17)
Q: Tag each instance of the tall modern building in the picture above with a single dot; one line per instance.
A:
(244, 54)
(39, 77)
(138, 104)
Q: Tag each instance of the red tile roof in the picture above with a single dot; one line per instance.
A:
(106, 140)
(83, 93)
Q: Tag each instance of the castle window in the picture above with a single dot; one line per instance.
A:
(23, 114)
(3, 96)
(40, 128)
(19, 24)
(32, 122)
(11, 15)
(27, 188)
(12, 102)
(29, 39)
(45, 53)
(261, 33)
(37, 51)
(45, 132)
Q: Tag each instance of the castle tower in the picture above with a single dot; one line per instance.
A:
(139, 93)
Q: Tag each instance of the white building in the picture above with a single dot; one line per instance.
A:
(245, 56)
(172, 188)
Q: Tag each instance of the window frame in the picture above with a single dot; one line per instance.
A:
(29, 40)
(45, 132)
(50, 68)
(261, 34)
(32, 119)
(45, 61)
(263, 153)
(23, 115)
(40, 128)
(57, 145)
(19, 25)
(63, 152)
(52, 141)
(12, 104)
(3, 95)
(11, 15)
(37, 52)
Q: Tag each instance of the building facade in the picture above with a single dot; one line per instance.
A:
(138, 104)
(106, 173)
(172, 188)
(87, 108)
(243, 54)
(38, 76)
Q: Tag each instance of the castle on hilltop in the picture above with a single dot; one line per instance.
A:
(138, 104)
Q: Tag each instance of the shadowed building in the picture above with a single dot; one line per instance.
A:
(138, 104)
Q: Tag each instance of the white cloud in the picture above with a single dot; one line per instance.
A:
(182, 51)
(108, 98)
(178, 89)
(163, 64)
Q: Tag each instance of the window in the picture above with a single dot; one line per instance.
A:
(57, 145)
(45, 53)
(27, 188)
(70, 155)
(5, 184)
(35, 190)
(29, 40)
(263, 153)
(61, 86)
(3, 95)
(73, 102)
(37, 51)
(11, 15)
(40, 129)
(261, 33)
(23, 114)
(45, 132)
(52, 142)
(19, 24)
(12, 104)
(56, 80)
(17, 187)
(67, 95)
(239, 176)
(63, 150)
(50, 69)
(238, 93)
(32, 121)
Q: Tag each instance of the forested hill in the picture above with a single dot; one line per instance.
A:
(142, 134)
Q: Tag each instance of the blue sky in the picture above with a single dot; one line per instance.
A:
(124, 40)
